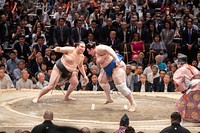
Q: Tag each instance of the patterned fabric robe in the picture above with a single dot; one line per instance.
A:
(188, 80)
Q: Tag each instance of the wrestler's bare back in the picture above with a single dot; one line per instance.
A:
(71, 59)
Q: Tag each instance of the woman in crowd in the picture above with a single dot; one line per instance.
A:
(137, 45)
(167, 34)
(158, 47)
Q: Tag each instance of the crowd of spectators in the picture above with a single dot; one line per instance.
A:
(150, 34)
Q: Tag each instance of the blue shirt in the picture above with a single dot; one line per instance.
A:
(162, 66)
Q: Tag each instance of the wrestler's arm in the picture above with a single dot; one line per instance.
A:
(82, 70)
(109, 50)
(64, 50)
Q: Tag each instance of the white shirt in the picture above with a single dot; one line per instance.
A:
(95, 87)
(24, 84)
(165, 88)
(6, 82)
(40, 85)
(142, 88)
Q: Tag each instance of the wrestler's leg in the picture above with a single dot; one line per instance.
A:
(73, 84)
(103, 81)
(54, 79)
(119, 78)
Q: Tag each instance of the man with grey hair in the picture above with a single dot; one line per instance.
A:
(187, 79)
(41, 83)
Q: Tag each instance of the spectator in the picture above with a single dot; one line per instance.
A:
(175, 125)
(152, 31)
(47, 55)
(41, 83)
(195, 63)
(5, 28)
(12, 63)
(136, 77)
(40, 46)
(129, 75)
(158, 47)
(24, 82)
(142, 60)
(173, 70)
(158, 82)
(159, 62)
(5, 81)
(93, 85)
(167, 34)
(38, 35)
(18, 70)
(137, 45)
(83, 10)
(59, 13)
(168, 85)
(143, 85)
(153, 74)
(168, 4)
(52, 61)
(189, 41)
(22, 48)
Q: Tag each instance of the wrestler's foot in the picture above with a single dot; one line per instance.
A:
(69, 99)
(132, 108)
(108, 101)
(35, 100)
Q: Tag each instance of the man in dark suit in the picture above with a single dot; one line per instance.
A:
(189, 41)
(61, 33)
(78, 33)
(5, 31)
(168, 85)
(158, 82)
(143, 85)
(40, 47)
(93, 85)
(113, 42)
(22, 48)
(124, 34)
